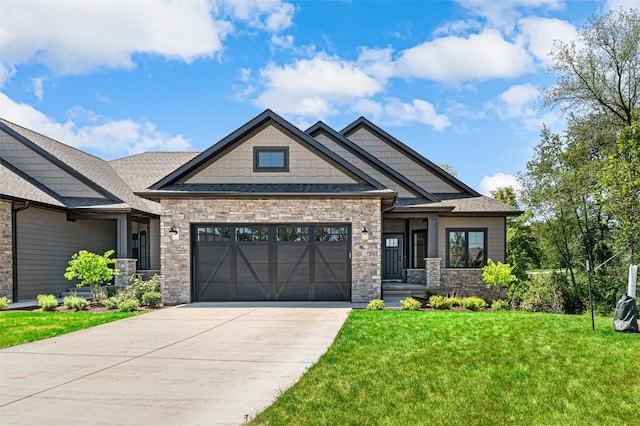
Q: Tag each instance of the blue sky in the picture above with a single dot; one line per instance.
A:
(458, 81)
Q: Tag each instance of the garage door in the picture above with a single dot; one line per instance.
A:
(243, 262)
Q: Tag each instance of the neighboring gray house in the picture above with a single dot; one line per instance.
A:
(56, 200)
(268, 213)
(274, 213)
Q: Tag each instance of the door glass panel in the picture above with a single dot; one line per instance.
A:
(213, 233)
(252, 233)
(332, 233)
(293, 233)
(419, 248)
(391, 242)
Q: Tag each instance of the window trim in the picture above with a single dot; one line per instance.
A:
(259, 149)
(466, 248)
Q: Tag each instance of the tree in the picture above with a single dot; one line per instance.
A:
(497, 275)
(91, 269)
(620, 184)
(599, 72)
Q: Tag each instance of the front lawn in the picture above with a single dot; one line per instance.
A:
(459, 368)
(17, 327)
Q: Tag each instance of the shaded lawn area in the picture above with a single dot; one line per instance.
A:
(17, 327)
(458, 368)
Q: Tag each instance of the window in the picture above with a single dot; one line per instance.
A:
(253, 233)
(391, 242)
(331, 233)
(466, 248)
(213, 234)
(293, 233)
(274, 159)
(419, 248)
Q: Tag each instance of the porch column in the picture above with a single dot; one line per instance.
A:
(127, 268)
(432, 236)
(123, 250)
(432, 271)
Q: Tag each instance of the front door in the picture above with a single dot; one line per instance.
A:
(393, 253)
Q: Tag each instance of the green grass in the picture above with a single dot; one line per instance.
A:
(21, 327)
(459, 368)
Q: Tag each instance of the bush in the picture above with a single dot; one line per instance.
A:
(375, 305)
(47, 302)
(4, 303)
(430, 292)
(152, 299)
(111, 290)
(439, 302)
(500, 305)
(129, 305)
(113, 301)
(76, 303)
(410, 304)
(543, 294)
(138, 287)
(474, 303)
(454, 301)
(91, 269)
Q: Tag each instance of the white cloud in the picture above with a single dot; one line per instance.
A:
(417, 110)
(518, 102)
(498, 180)
(314, 86)
(482, 56)
(270, 15)
(503, 14)
(540, 34)
(282, 42)
(89, 131)
(77, 37)
(377, 62)
(625, 4)
(38, 90)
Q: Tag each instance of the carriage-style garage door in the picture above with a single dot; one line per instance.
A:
(271, 262)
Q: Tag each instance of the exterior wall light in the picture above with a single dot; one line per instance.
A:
(364, 230)
(173, 230)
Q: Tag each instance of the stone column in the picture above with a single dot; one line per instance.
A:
(432, 271)
(127, 268)
(6, 250)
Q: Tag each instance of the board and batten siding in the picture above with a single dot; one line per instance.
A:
(237, 166)
(46, 241)
(496, 238)
(42, 170)
(400, 162)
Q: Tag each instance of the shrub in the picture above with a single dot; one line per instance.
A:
(439, 302)
(474, 303)
(138, 286)
(430, 292)
(543, 294)
(91, 269)
(111, 290)
(498, 275)
(113, 301)
(129, 305)
(76, 303)
(4, 303)
(454, 301)
(500, 305)
(152, 299)
(410, 304)
(375, 305)
(99, 294)
(47, 302)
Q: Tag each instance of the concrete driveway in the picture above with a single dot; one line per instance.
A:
(199, 364)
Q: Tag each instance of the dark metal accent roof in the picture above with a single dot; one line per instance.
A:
(266, 188)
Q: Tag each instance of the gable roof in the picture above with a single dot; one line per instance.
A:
(468, 206)
(372, 161)
(140, 171)
(237, 137)
(91, 171)
(18, 186)
(404, 149)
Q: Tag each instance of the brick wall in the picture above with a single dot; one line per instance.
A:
(175, 249)
(6, 256)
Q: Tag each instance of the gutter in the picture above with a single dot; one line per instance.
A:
(14, 246)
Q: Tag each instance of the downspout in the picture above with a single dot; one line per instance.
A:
(14, 247)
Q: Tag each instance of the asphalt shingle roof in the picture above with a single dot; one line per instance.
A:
(96, 170)
(141, 171)
(15, 186)
(481, 204)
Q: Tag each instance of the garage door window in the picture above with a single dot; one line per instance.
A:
(331, 233)
(293, 233)
(254, 233)
(214, 234)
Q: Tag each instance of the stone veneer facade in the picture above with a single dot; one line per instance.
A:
(175, 249)
(463, 281)
(6, 250)
(127, 268)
